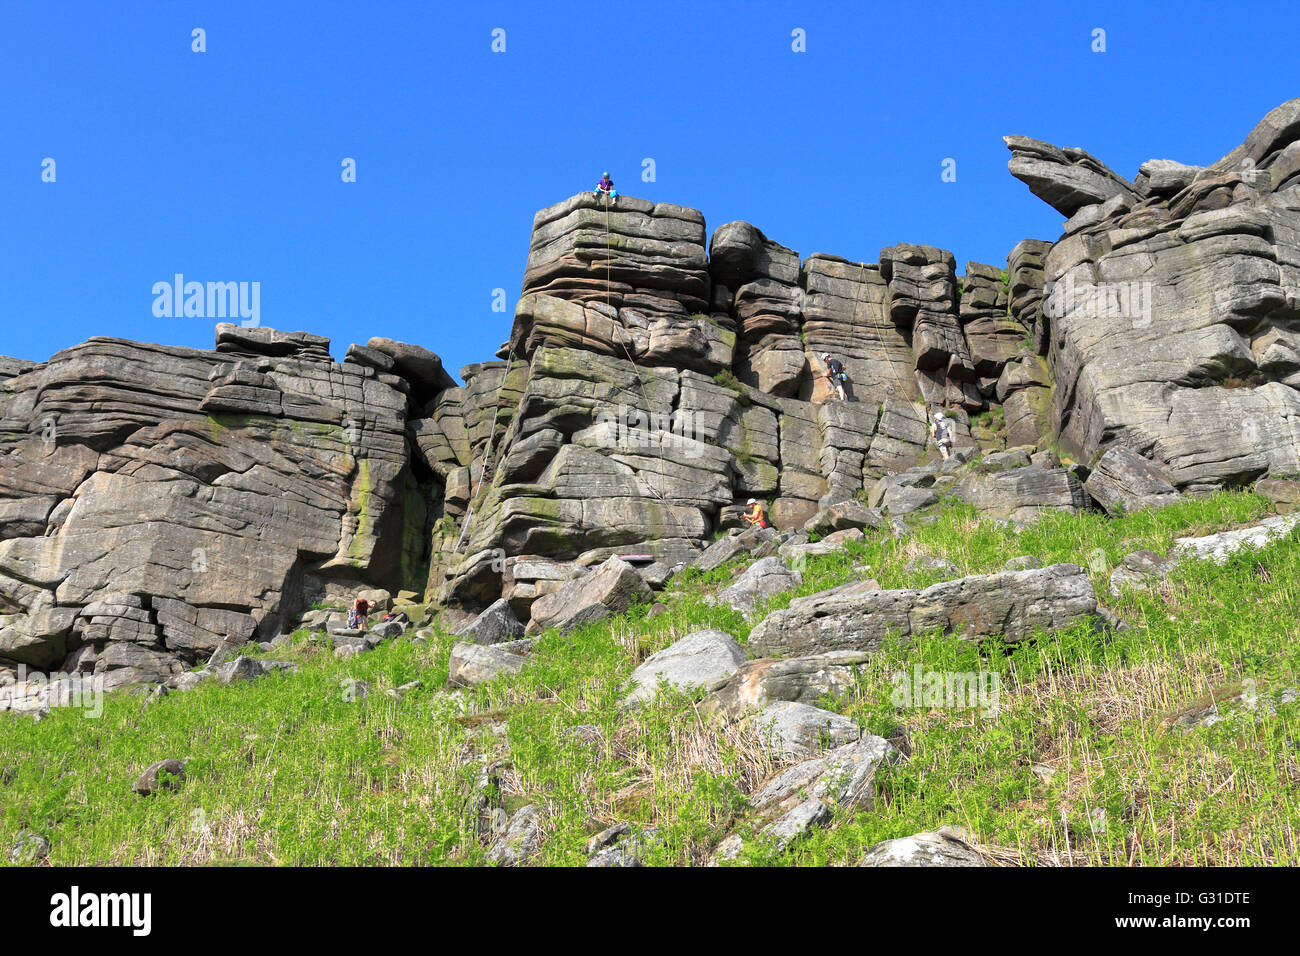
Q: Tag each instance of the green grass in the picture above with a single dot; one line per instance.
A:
(287, 770)
(727, 379)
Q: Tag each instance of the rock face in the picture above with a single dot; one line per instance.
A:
(1011, 603)
(161, 505)
(1172, 302)
(653, 387)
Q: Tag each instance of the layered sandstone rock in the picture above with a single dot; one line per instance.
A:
(160, 503)
(1173, 304)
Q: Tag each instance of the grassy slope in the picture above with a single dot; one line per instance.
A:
(288, 770)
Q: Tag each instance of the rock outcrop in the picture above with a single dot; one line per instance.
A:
(161, 506)
(1173, 302)
(161, 503)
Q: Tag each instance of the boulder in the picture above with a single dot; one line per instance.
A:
(842, 777)
(1002, 460)
(385, 630)
(939, 848)
(249, 668)
(789, 729)
(1123, 482)
(166, 774)
(610, 589)
(1013, 604)
(841, 516)
(804, 680)
(29, 849)
(618, 846)
(1139, 570)
(472, 664)
(763, 579)
(726, 548)
(1284, 493)
(521, 840)
(1022, 494)
(697, 660)
(528, 577)
(496, 625)
(799, 820)
(929, 563)
(1219, 547)
(901, 500)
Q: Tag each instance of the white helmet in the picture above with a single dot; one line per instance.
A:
(751, 501)
(826, 355)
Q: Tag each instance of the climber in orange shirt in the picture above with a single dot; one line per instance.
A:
(755, 515)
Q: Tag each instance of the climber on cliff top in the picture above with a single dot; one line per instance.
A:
(606, 187)
(835, 374)
(755, 515)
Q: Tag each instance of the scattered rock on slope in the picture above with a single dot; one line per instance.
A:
(166, 774)
(764, 579)
(610, 589)
(941, 847)
(697, 660)
(495, 625)
(472, 664)
(789, 729)
(804, 680)
(1011, 603)
(1123, 482)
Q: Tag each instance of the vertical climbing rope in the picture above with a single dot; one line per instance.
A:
(882, 330)
(663, 480)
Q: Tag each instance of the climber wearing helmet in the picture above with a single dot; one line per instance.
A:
(755, 515)
(835, 374)
(941, 432)
(606, 188)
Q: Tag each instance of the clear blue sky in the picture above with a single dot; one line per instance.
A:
(225, 165)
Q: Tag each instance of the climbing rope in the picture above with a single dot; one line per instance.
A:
(882, 330)
(487, 456)
(663, 481)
